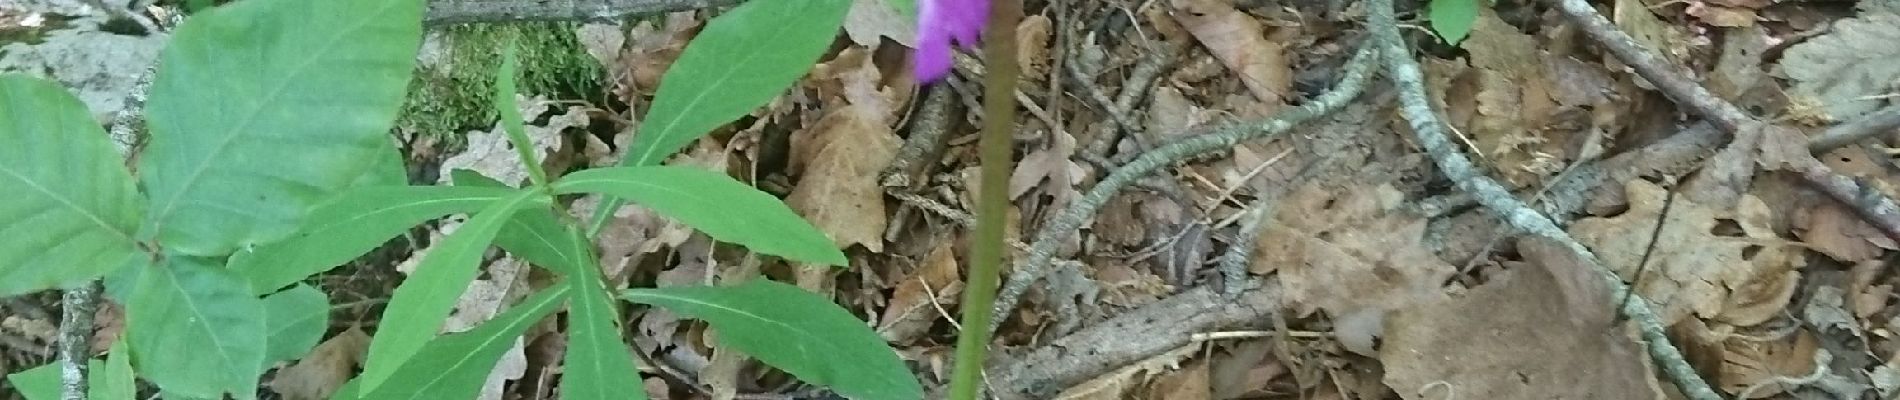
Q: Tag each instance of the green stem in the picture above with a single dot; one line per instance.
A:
(986, 250)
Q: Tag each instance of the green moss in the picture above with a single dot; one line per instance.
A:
(454, 95)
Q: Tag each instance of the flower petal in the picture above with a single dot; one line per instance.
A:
(942, 23)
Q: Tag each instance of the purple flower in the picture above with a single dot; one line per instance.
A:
(938, 23)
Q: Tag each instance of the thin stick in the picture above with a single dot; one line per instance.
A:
(1042, 250)
(986, 253)
(1416, 108)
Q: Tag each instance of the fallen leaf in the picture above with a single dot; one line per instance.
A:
(1699, 267)
(490, 152)
(1716, 15)
(1050, 168)
(1510, 338)
(838, 191)
(1512, 101)
(328, 366)
(1188, 383)
(870, 20)
(914, 304)
(1747, 361)
(1852, 69)
(1032, 46)
(1346, 252)
(1116, 384)
(1240, 43)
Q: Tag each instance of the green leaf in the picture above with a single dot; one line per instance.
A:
(351, 225)
(115, 381)
(263, 108)
(456, 365)
(741, 60)
(599, 366)
(1452, 18)
(713, 203)
(795, 331)
(196, 329)
(108, 380)
(70, 208)
(536, 236)
(417, 308)
(504, 104)
(295, 320)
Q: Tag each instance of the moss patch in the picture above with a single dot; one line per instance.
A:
(453, 94)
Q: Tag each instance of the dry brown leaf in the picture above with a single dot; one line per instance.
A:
(1698, 267)
(1716, 15)
(869, 20)
(838, 192)
(1512, 101)
(490, 152)
(1051, 169)
(1346, 252)
(1837, 231)
(1032, 48)
(327, 367)
(1244, 370)
(1188, 383)
(913, 305)
(1239, 42)
(1116, 384)
(1636, 18)
(651, 49)
(1511, 339)
(1747, 361)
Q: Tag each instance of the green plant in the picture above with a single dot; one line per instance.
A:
(1451, 19)
(262, 116)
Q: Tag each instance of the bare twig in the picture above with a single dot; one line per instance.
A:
(1135, 335)
(1416, 108)
(1071, 219)
(1748, 132)
(1867, 126)
(78, 306)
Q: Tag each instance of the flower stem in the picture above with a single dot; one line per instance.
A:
(986, 250)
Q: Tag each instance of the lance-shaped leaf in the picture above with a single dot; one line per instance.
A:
(70, 210)
(532, 235)
(418, 307)
(455, 365)
(195, 328)
(599, 365)
(795, 331)
(261, 109)
(350, 225)
(742, 60)
(713, 203)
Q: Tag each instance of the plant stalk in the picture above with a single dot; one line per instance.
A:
(986, 250)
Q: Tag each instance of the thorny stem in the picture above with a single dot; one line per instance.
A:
(986, 250)
(1042, 251)
(1416, 108)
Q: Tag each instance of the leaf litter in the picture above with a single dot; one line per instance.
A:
(1779, 286)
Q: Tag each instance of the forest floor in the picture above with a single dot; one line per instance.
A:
(1337, 259)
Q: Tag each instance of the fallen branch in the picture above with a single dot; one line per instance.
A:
(1127, 338)
(451, 12)
(1749, 132)
(1070, 220)
(1416, 108)
(1867, 126)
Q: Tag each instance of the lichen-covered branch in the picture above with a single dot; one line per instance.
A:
(1076, 214)
(1416, 108)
